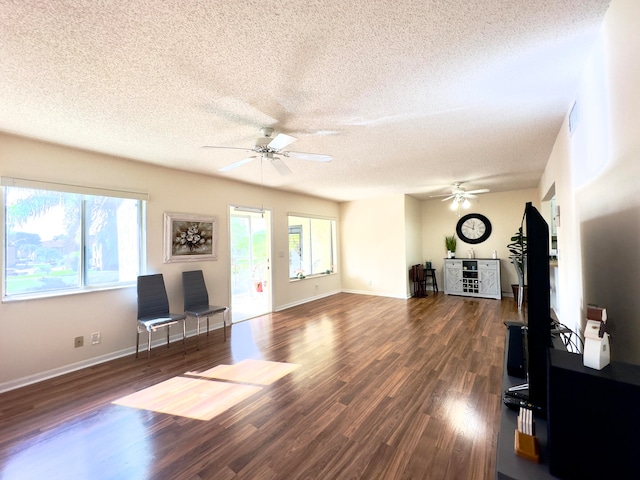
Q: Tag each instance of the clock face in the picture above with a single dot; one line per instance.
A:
(473, 228)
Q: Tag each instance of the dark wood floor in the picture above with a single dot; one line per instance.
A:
(387, 389)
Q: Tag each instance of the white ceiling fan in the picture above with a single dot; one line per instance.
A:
(268, 147)
(460, 196)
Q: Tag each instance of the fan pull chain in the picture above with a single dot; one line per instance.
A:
(261, 185)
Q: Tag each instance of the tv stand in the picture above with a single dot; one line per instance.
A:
(510, 466)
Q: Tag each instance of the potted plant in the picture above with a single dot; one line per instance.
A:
(450, 242)
(518, 250)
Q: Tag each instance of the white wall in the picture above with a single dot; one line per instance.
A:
(373, 246)
(413, 236)
(381, 238)
(504, 210)
(596, 172)
(37, 335)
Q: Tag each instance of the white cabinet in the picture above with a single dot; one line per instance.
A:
(453, 277)
(472, 277)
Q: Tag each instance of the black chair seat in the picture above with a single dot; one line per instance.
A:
(153, 311)
(196, 301)
(154, 323)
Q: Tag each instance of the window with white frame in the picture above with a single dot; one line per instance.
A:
(65, 239)
(312, 246)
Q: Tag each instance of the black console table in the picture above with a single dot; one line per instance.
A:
(593, 418)
(589, 410)
(510, 466)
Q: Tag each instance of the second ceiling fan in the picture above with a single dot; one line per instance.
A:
(271, 149)
(460, 196)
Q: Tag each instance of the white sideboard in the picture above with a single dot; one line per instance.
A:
(472, 277)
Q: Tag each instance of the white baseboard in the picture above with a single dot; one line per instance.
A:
(377, 294)
(324, 295)
(279, 308)
(89, 362)
(56, 372)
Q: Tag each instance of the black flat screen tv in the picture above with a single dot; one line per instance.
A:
(538, 306)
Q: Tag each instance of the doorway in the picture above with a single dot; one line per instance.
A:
(250, 244)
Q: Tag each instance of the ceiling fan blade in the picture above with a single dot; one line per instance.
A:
(481, 190)
(316, 157)
(280, 166)
(237, 164)
(281, 141)
(229, 148)
(445, 199)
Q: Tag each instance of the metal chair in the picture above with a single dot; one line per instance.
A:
(196, 301)
(153, 310)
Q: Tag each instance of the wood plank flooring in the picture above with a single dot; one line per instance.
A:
(385, 389)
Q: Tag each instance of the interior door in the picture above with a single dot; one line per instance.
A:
(250, 244)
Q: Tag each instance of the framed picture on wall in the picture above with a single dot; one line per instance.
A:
(190, 238)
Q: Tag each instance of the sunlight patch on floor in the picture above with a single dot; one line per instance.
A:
(203, 398)
(189, 397)
(257, 372)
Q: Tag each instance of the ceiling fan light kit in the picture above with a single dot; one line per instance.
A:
(268, 147)
(460, 201)
(460, 197)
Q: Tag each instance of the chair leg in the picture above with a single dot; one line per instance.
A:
(184, 336)
(168, 335)
(197, 332)
(224, 324)
(149, 348)
(137, 341)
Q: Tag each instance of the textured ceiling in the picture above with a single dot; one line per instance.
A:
(408, 96)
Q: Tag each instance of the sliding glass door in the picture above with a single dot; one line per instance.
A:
(250, 263)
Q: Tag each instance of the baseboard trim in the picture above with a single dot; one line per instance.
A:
(56, 372)
(377, 294)
(90, 362)
(279, 308)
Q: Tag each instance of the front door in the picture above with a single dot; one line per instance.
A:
(250, 245)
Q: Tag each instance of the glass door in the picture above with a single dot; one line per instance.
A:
(250, 245)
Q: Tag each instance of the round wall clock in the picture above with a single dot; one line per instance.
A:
(473, 228)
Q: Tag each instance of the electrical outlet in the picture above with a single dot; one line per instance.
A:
(78, 342)
(95, 338)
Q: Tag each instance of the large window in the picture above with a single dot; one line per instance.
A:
(312, 246)
(59, 241)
